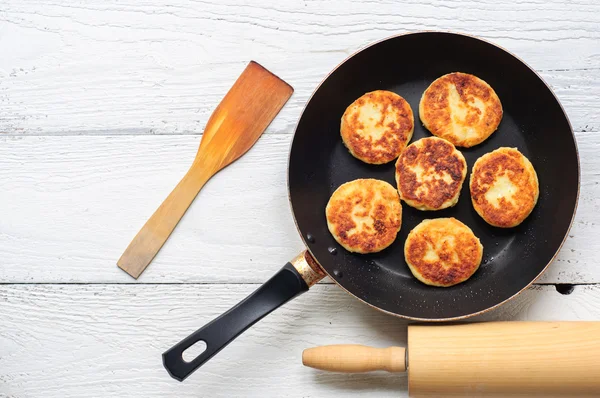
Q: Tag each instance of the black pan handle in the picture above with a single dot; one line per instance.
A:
(282, 287)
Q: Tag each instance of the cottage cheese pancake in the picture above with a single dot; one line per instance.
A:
(364, 215)
(504, 187)
(460, 108)
(376, 127)
(442, 252)
(430, 173)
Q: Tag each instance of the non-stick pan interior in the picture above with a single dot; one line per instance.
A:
(533, 122)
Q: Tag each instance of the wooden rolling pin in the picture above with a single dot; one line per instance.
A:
(504, 359)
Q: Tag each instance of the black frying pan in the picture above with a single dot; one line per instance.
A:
(533, 121)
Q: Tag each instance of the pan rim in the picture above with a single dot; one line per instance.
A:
(480, 312)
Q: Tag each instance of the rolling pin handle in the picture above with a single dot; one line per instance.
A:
(349, 358)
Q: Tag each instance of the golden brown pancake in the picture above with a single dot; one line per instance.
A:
(442, 252)
(460, 108)
(376, 127)
(364, 215)
(504, 187)
(430, 173)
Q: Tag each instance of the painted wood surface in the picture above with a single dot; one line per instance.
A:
(102, 104)
(73, 203)
(104, 67)
(106, 340)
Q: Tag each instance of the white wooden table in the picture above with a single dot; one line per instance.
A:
(102, 105)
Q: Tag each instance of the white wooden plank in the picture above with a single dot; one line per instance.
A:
(150, 68)
(70, 206)
(106, 340)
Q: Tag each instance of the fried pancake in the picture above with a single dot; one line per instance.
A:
(430, 173)
(504, 187)
(376, 127)
(460, 108)
(364, 215)
(442, 252)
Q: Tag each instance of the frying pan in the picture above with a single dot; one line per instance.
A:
(533, 121)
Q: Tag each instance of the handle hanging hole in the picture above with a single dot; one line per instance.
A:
(194, 351)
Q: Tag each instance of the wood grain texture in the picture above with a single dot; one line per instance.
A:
(151, 68)
(234, 127)
(74, 202)
(505, 359)
(355, 358)
(531, 358)
(106, 340)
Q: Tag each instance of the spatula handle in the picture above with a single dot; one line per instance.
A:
(349, 358)
(157, 229)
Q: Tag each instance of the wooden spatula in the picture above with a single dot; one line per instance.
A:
(241, 117)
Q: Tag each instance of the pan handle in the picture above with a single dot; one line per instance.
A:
(289, 282)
